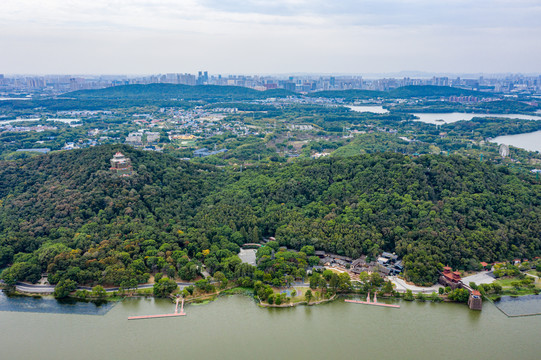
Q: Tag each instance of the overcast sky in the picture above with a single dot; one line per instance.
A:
(269, 36)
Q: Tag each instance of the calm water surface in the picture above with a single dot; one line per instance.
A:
(436, 118)
(528, 141)
(235, 328)
(66, 121)
(513, 306)
(369, 108)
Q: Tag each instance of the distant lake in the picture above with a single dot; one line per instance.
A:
(9, 98)
(367, 108)
(5, 122)
(527, 141)
(66, 121)
(436, 118)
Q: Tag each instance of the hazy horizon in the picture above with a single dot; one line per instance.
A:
(261, 37)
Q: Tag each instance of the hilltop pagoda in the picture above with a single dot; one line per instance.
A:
(121, 165)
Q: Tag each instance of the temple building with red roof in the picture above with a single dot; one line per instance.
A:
(121, 165)
(450, 278)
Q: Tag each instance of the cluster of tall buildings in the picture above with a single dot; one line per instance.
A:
(57, 84)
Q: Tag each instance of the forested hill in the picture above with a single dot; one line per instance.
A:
(178, 92)
(401, 93)
(67, 214)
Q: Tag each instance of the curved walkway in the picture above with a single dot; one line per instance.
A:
(49, 289)
(402, 286)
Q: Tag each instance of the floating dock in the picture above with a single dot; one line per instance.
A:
(177, 313)
(375, 303)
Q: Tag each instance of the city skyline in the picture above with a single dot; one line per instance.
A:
(257, 37)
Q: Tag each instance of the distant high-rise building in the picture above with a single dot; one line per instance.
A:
(202, 78)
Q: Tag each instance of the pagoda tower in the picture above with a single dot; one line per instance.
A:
(121, 165)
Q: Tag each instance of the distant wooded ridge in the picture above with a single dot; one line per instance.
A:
(217, 92)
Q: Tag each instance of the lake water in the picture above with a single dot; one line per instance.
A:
(50, 305)
(236, 328)
(436, 118)
(523, 305)
(528, 141)
(369, 108)
(5, 122)
(66, 121)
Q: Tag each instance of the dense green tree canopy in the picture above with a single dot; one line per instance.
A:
(67, 215)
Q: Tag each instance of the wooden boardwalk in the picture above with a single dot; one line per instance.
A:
(375, 303)
(176, 313)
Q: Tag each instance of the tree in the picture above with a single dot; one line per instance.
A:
(314, 280)
(364, 277)
(8, 277)
(308, 295)
(327, 274)
(219, 276)
(130, 283)
(190, 289)
(334, 282)
(441, 290)
(64, 288)
(308, 250)
(164, 287)
(388, 287)
(408, 296)
(313, 260)
(98, 292)
(375, 279)
(6, 255)
(459, 295)
(204, 285)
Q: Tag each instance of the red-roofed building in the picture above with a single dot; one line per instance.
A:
(486, 266)
(450, 278)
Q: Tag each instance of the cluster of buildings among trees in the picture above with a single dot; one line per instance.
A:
(56, 84)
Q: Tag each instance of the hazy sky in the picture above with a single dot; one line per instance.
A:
(269, 36)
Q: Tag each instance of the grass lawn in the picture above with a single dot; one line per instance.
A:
(508, 289)
(300, 296)
(506, 282)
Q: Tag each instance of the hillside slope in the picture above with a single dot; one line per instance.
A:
(66, 213)
(177, 91)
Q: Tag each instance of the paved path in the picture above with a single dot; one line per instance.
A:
(532, 275)
(401, 286)
(49, 289)
(485, 277)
